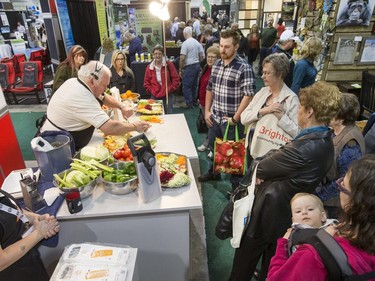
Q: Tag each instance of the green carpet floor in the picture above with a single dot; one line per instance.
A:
(24, 126)
(219, 253)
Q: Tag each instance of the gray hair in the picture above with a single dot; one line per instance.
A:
(188, 30)
(85, 73)
(280, 63)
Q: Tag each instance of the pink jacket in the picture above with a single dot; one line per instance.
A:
(305, 263)
(151, 84)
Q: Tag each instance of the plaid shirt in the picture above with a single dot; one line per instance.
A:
(229, 84)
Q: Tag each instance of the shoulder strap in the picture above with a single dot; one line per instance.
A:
(331, 253)
(362, 277)
(6, 194)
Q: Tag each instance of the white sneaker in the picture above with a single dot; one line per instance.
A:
(202, 148)
(210, 155)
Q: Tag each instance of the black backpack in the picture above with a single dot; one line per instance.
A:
(331, 253)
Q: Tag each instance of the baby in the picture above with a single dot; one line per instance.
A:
(308, 212)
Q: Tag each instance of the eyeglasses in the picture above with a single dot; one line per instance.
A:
(120, 59)
(267, 73)
(341, 187)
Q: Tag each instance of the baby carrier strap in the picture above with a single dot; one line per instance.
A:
(331, 253)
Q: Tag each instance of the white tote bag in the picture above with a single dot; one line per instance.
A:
(241, 212)
(267, 136)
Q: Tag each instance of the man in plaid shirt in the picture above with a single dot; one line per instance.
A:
(229, 91)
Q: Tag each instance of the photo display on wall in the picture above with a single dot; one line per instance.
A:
(345, 50)
(355, 12)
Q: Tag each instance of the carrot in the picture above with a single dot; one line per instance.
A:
(181, 160)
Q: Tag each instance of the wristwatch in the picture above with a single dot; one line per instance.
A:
(233, 120)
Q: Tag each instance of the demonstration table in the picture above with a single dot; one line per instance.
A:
(160, 229)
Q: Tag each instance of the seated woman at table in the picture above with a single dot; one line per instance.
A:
(77, 56)
(154, 81)
(19, 258)
(122, 76)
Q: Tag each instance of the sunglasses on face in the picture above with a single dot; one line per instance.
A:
(341, 187)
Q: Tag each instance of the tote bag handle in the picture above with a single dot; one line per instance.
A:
(236, 138)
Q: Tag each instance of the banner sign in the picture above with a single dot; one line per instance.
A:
(102, 22)
(148, 28)
(66, 27)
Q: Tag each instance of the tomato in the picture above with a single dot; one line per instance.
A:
(126, 146)
(126, 153)
(117, 154)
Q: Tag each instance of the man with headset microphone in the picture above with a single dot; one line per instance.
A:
(76, 107)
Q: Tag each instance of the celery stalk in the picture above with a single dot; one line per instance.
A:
(61, 181)
(101, 166)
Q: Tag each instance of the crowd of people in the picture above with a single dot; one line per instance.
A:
(323, 147)
(323, 153)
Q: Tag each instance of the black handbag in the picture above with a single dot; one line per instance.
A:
(201, 123)
(224, 226)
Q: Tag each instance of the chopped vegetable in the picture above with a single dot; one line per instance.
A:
(82, 173)
(99, 153)
(151, 118)
(121, 175)
(172, 170)
(178, 180)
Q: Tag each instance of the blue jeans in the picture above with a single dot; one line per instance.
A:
(218, 131)
(190, 82)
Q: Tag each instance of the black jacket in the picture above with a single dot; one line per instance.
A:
(123, 83)
(299, 166)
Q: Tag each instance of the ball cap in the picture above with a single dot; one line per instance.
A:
(288, 35)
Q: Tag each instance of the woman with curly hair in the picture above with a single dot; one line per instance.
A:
(77, 56)
(304, 72)
(122, 76)
(298, 166)
(355, 233)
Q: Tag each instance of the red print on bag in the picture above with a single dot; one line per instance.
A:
(272, 134)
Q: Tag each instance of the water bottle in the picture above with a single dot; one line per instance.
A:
(142, 57)
(149, 57)
(136, 57)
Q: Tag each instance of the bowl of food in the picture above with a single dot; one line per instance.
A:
(129, 95)
(123, 154)
(122, 180)
(74, 179)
